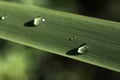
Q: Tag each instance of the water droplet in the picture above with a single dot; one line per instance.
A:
(38, 20)
(71, 39)
(35, 22)
(3, 17)
(83, 48)
(79, 50)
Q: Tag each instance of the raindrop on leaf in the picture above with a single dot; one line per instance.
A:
(3, 17)
(83, 49)
(38, 20)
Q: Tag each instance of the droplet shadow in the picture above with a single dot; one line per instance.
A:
(73, 52)
(29, 24)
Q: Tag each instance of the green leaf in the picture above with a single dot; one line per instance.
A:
(54, 34)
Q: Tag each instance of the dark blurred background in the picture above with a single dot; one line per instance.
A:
(105, 9)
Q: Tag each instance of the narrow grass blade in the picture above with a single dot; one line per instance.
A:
(54, 35)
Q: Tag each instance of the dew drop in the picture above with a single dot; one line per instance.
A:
(35, 22)
(38, 20)
(79, 50)
(71, 39)
(83, 49)
(3, 17)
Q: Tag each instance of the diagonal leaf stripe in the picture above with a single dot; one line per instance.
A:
(63, 32)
